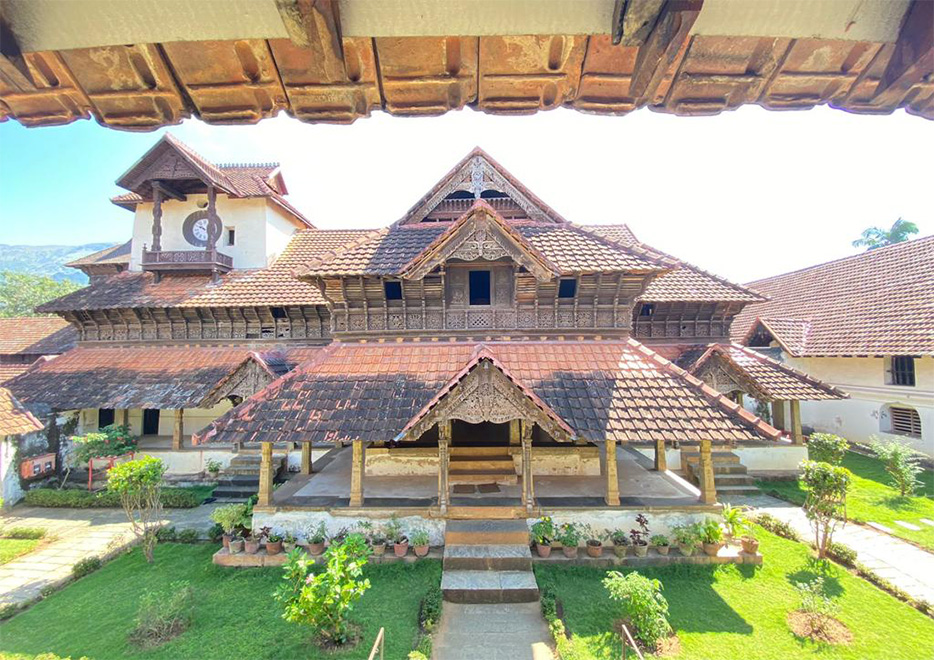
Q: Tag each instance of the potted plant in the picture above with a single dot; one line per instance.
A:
(420, 541)
(734, 520)
(594, 543)
(212, 467)
(543, 533)
(661, 544)
(235, 545)
(288, 542)
(316, 538)
(230, 517)
(252, 543)
(640, 537)
(620, 542)
(749, 542)
(378, 543)
(400, 542)
(687, 537)
(273, 543)
(712, 537)
(570, 537)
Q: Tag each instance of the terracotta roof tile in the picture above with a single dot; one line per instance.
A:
(8, 371)
(116, 254)
(880, 302)
(14, 418)
(36, 335)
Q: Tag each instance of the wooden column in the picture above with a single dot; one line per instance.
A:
(661, 460)
(708, 488)
(125, 417)
(612, 478)
(356, 474)
(179, 429)
(515, 435)
(265, 475)
(156, 218)
(738, 397)
(797, 436)
(214, 230)
(306, 458)
(444, 442)
(778, 415)
(528, 489)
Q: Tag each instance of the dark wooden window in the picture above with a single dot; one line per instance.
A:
(150, 422)
(393, 290)
(105, 417)
(279, 313)
(903, 370)
(480, 287)
(231, 236)
(567, 288)
(905, 421)
(647, 309)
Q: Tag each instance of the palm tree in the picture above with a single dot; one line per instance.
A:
(876, 237)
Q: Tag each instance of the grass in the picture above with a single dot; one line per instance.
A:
(731, 611)
(235, 615)
(872, 499)
(10, 549)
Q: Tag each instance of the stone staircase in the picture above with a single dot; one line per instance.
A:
(481, 465)
(240, 479)
(488, 561)
(729, 473)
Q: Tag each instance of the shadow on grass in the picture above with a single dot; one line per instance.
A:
(823, 568)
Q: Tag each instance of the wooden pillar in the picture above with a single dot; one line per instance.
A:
(214, 231)
(306, 458)
(778, 415)
(156, 218)
(797, 436)
(661, 460)
(514, 432)
(125, 417)
(528, 489)
(356, 474)
(708, 488)
(738, 397)
(265, 475)
(612, 474)
(179, 429)
(444, 442)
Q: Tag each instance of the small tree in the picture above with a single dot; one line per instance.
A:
(324, 600)
(827, 448)
(825, 504)
(139, 485)
(901, 462)
(643, 605)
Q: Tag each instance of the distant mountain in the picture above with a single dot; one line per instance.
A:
(47, 260)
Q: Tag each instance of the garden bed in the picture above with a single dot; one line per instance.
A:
(78, 498)
(246, 560)
(727, 555)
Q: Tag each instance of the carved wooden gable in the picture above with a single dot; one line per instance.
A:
(244, 381)
(725, 378)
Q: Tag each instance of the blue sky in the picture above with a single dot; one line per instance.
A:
(745, 194)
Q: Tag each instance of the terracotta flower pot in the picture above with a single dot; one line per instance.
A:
(570, 551)
(273, 547)
(225, 539)
(543, 551)
(251, 546)
(711, 549)
(687, 549)
(400, 549)
(640, 550)
(379, 549)
(288, 547)
(750, 546)
(235, 546)
(620, 550)
(316, 549)
(421, 550)
(594, 550)
(663, 549)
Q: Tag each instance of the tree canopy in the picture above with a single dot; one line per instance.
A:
(20, 293)
(876, 237)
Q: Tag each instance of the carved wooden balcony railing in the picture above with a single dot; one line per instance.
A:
(451, 209)
(186, 261)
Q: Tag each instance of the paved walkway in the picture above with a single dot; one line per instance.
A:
(906, 566)
(79, 533)
(513, 631)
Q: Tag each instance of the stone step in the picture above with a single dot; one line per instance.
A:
(487, 558)
(489, 586)
(457, 476)
(486, 532)
(738, 490)
(478, 451)
(717, 456)
(477, 463)
(733, 480)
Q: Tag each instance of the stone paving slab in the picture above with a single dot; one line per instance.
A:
(908, 525)
(515, 631)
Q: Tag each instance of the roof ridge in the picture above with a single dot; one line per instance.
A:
(233, 165)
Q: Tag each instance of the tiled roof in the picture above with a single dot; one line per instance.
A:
(116, 254)
(880, 302)
(8, 371)
(371, 391)
(36, 335)
(774, 380)
(686, 283)
(275, 285)
(14, 418)
(129, 377)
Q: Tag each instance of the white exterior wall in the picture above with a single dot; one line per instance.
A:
(860, 417)
(280, 227)
(10, 488)
(193, 419)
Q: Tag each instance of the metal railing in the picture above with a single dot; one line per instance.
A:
(628, 642)
(379, 645)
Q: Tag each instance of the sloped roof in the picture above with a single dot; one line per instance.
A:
(275, 285)
(371, 391)
(14, 418)
(880, 302)
(36, 335)
(8, 371)
(115, 254)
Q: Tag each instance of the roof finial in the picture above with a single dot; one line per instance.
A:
(476, 177)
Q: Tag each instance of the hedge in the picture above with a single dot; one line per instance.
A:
(172, 498)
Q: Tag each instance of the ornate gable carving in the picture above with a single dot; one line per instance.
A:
(245, 381)
(721, 376)
(482, 244)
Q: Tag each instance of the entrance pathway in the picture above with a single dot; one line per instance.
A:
(502, 631)
(906, 566)
(79, 533)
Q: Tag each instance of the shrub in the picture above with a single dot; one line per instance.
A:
(166, 534)
(711, 532)
(189, 536)
(230, 517)
(816, 605)
(734, 519)
(212, 466)
(570, 535)
(86, 566)
(827, 448)
(109, 441)
(901, 462)
(162, 615)
(429, 612)
(689, 535)
(73, 498)
(660, 540)
(825, 504)
(543, 531)
(776, 526)
(324, 600)
(180, 498)
(643, 605)
(23, 533)
(843, 554)
(138, 483)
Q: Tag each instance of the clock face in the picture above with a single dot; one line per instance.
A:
(196, 228)
(200, 229)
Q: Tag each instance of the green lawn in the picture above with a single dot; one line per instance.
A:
(10, 549)
(734, 611)
(235, 615)
(871, 499)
